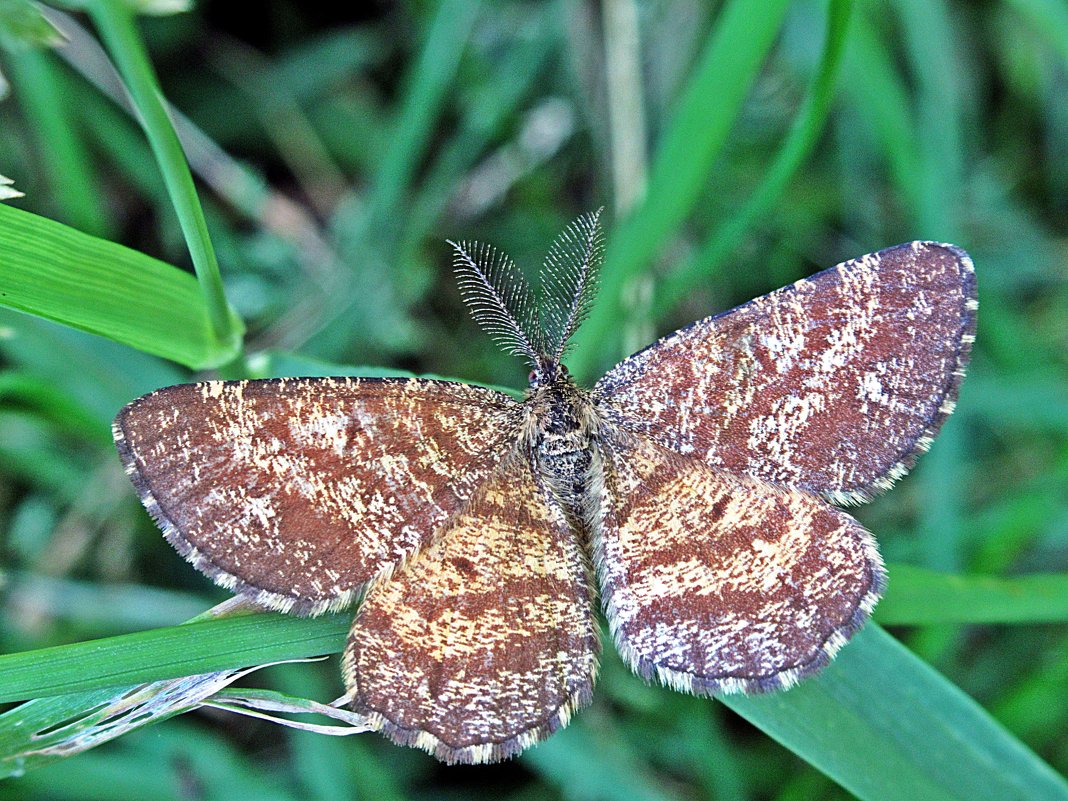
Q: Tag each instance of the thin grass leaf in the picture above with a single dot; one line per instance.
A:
(931, 43)
(44, 348)
(23, 388)
(702, 119)
(847, 721)
(46, 97)
(585, 761)
(116, 25)
(173, 763)
(44, 731)
(804, 133)
(89, 606)
(877, 91)
(1049, 18)
(260, 703)
(427, 89)
(490, 111)
(23, 27)
(61, 274)
(194, 648)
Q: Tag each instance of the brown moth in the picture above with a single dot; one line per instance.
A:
(692, 485)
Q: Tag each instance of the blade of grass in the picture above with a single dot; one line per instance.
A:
(48, 349)
(1049, 18)
(877, 91)
(848, 721)
(115, 21)
(45, 98)
(804, 133)
(626, 107)
(426, 92)
(703, 117)
(375, 231)
(930, 40)
(167, 653)
(61, 274)
(916, 596)
(886, 726)
(25, 389)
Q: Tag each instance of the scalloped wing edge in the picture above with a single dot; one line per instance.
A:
(947, 402)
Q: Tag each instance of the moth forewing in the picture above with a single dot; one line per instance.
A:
(290, 491)
(834, 384)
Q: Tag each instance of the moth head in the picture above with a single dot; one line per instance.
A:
(535, 326)
(548, 371)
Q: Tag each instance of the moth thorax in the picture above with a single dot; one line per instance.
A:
(563, 445)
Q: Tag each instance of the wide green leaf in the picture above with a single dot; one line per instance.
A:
(917, 596)
(53, 271)
(887, 727)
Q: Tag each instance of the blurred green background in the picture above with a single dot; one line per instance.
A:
(735, 146)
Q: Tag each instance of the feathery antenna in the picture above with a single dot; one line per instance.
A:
(569, 281)
(498, 297)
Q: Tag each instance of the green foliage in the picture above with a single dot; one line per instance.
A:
(61, 274)
(334, 159)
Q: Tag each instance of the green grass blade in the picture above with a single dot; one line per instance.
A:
(848, 721)
(32, 392)
(703, 117)
(917, 596)
(802, 138)
(115, 21)
(47, 100)
(888, 727)
(18, 725)
(426, 92)
(61, 274)
(585, 761)
(201, 647)
(876, 90)
(1049, 18)
(930, 42)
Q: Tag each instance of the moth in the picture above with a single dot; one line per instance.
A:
(694, 488)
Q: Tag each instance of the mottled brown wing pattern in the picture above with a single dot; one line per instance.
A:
(486, 642)
(834, 384)
(298, 492)
(698, 472)
(713, 582)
